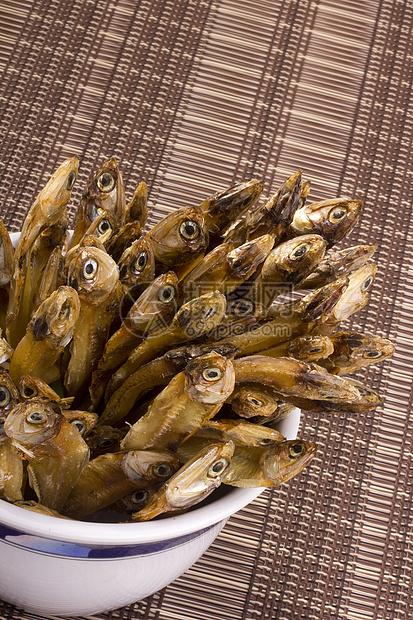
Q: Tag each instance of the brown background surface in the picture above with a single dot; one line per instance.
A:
(191, 96)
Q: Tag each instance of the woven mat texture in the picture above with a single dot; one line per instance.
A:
(192, 96)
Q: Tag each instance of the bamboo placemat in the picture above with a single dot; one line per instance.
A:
(191, 96)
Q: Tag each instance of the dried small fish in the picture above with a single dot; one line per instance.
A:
(338, 263)
(333, 219)
(310, 348)
(354, 350)
(137, 208)
(156, 373)
(223, 207)
(193, 320)
(95, 276)
(179, 237)
(191, 483)
(30, 387)
(269, 467)
(109, 477)
(39, 508)
(49, 331)
(55, 450)
(190, 399)
(249, 400)
(123, 239)
(105, 192)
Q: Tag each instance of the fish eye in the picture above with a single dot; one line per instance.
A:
(5, 396)
(162, 470)
(106, 182)
(189, 230)
(104, 226)
(217, 468)
(106, 442)
(266, 441)
(90, 268)
(254, 401)
(71, 180)
(337, 214)
(167, 293)
(372, 354)
(295, 450)
(243, 308)
(212, 374)
(300, 250)
(139, 497)
(367, 283)
(316, 350)
(36, 417)
(141, 261)
(80, 425)
(29, 392)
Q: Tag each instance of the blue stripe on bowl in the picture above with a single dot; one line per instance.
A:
(48, 546)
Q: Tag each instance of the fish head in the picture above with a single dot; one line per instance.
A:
(93, 274)
(179, 237)
(252, 400)
(333, 218)
(31, 423)
(360, 349)
(6, 256)
(137, 263)
(245, 259)
(156, 306)
(199, 476)
(311, 348)
(30, 387)
(357, 293)
(294, 259)
(54, 320)
(149, 466)
(285, 460)
(103, 226)
(83, 421)
(105, 192)
(210, 378)
(58, 189)
(200, 315)
(243, 433)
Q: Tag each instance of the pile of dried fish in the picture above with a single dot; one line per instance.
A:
(140, 369)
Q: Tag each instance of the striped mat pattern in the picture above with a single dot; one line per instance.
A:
(192, 96)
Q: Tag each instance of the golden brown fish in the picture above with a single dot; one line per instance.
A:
(54, 448)
(137, 208)
(190, 399)
(49, 331)
(123, 239)
(192, 483)
(109, 477)
(354, 350)
(105, 192)
(333, 219)
(30, 387)
(95, 276)
(49, 208)
(193, 320)
(310, 348)
(338, 263)
(179, 237)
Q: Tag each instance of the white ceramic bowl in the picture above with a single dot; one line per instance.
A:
(63, 567)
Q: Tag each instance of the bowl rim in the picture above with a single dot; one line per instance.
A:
(128, 534)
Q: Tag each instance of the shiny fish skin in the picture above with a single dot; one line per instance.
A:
(269, 467)
(333, 219)
(190, 399)
(193, 320)
(109, 477)
(49, 208)
(55, 450)
(223, 207)
(49, 331)
(337, 264)
(179, 237)
(95, 276)
(192, 483)
(155, 373)
(104, 192)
